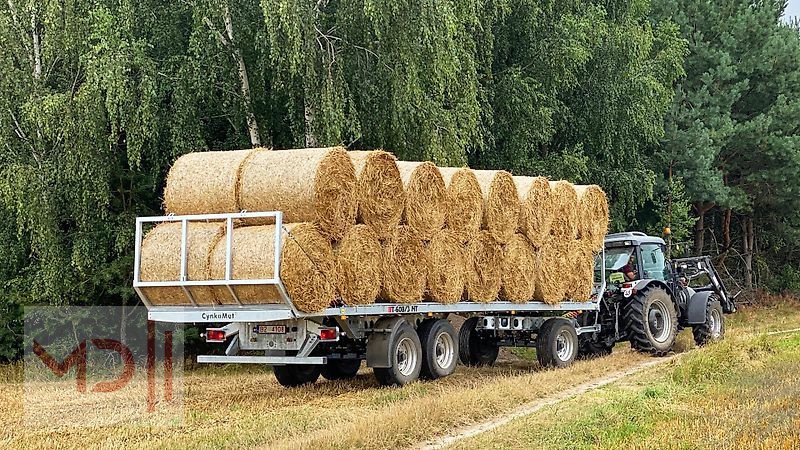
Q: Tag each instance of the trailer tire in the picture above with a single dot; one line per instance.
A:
(405, 353)
(472, 349)
(556, 343)
(713, 329)
(341, 369)
(292, 375)
(439, 348)
(651, 321)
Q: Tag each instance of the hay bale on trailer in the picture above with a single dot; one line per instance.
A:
(445, 269)
(426, 197)
(501, 205)
(309, 185)
(465, 212)
(536, 208)
(553, 271)
(307, 266)
(403, 267)
(379, 188)
(519, 270)
(483, 268)
(565, 210)
(205, 182)
(582, 280)
(359, 268)
(593, 216)
(161, 261)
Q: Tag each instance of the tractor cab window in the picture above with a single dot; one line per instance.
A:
(617, 258)
(653, 262)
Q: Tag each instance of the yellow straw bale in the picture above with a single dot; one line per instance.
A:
(445, 267)
(582, 281)
(484, 269)
(565, 210)
(161, 261)
(359, 266)
(307, 266)
(403, 267)
(205, 182)
(593, 216)
(309, 185)
(519, 270)
(501, 206)
(426, 197)
(379, 190)
(465, 212)
(553, 271)
(536, 208)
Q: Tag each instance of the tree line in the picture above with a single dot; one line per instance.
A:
(685, 111)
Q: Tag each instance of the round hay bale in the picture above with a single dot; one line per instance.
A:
(553, 271)
(582, 282)
(593, 216)
(565, 210)
(536, 208)
(484, 269)
(465, 213)
(309, 185)
(444, 258)
(426, 197)
(403, 270)
(501, 204)
(379, 189)
(205, 182)
(307, 266)
(161, 261)
(358, 266)
(519, 270)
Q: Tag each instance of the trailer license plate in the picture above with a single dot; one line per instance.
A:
(271, 329)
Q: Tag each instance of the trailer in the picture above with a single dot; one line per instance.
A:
(400, 342)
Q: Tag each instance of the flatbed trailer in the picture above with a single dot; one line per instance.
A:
(400, 341)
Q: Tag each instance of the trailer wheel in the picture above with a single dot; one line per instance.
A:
(341, 369)
(439, 348)
(292, 375)
(472, 349)
(405, 353)
(714, 327)
(556, 343)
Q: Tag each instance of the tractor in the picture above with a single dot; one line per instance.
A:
(649, 298)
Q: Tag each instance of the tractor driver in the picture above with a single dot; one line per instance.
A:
(629, 270)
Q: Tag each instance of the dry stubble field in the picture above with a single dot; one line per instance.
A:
(244, 407)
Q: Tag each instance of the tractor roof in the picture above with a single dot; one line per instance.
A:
(634, 237)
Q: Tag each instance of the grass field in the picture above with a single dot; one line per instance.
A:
(236, 407)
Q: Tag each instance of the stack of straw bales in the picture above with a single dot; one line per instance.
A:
(362, 227)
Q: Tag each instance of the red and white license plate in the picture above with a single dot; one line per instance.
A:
(271, 329)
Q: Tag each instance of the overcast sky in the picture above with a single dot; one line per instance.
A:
(793, 9)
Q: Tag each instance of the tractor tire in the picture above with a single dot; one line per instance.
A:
(405, 352)
(556, 343)
(714, 327)
(651, 321)
(439, 349)
(341, 369)
(472, 350)
(292, 375)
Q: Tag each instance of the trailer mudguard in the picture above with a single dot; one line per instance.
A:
(380, 338)
(696, 307)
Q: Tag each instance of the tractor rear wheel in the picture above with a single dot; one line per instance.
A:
(714, 327)
(341, 369)
(292, 375)
(651, 321)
